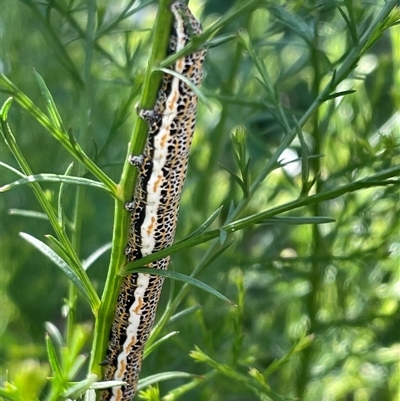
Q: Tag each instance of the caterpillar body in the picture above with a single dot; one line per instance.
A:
(154, 208)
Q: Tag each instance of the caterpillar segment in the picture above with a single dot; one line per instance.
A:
(154, 207)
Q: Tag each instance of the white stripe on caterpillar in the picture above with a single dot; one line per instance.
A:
(154, 209)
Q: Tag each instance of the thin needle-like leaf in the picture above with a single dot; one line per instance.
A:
(57, 260)
(67, 179)
(161, 377)
(189, 83)
(50, 104)
(177, 276)
(95, 255)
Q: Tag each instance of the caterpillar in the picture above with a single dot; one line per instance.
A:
(154, 208)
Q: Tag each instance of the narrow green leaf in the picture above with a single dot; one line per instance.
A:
(28, 213)
(95, 255)
(14, 170)
(77, 365)
(156, 344)
(44, 202)
(221, 40)
(60, 209)
(237, 179)
(147, 381)
(77, 268)
(258, 388)
(242, 160)
(178, 392)
(55, 336)
(78, 389)
(223, 235)
(55, 178)
(183, 313)
(349, 23)
(107, 384)
(189, 83)
(217, 252)
(177, 276)
(4, 109)
(74, 144)
(304, 342)
(305, 166)
(231, 210)
(295, 23)
(50, 104)
(298, 220)
(53, 360)
(338, 94)
(62, 251)
(205, 225)
(47, 251)
(259, 63)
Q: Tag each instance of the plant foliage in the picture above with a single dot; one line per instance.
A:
(290, 209)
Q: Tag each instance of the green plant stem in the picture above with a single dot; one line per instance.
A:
(372, 181)
(126, 187)
(316, 272)
(84, 108)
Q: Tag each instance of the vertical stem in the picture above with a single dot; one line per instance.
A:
(81, 190)
(126, 187)
(316, 273)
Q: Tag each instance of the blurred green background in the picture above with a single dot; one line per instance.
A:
(338, 281)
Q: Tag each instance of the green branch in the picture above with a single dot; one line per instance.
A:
(372, 181)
